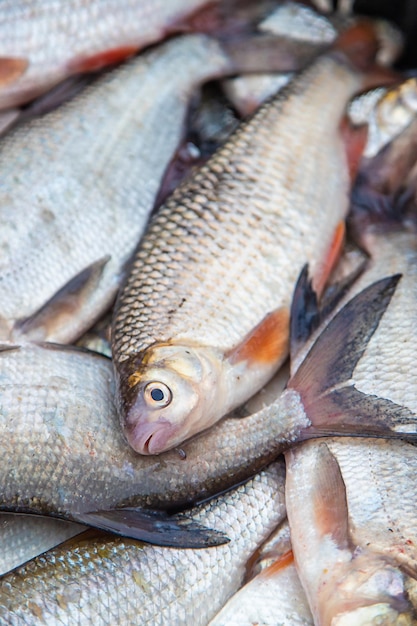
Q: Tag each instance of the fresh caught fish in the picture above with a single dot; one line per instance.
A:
(22, 537)
(387, 111)
(63, 453)
(79, 184)
(300, 25)
(275, 595)
(43, 42)
(107, 580)
(353, 529)
(200, 327)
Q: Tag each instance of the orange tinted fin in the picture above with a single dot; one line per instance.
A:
(359, 44)
(281, 563)
(354, 138)
(330, 505)
(11, 69)
(267, 342)
(331, 258)
(101, 59)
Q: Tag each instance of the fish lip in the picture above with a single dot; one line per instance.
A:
(150, 438)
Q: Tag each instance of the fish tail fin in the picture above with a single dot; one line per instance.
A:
(324, 379)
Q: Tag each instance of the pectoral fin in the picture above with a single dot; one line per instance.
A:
(154, 527)
(267, 343)
(44, 323)
(11, 68)
(330, 504)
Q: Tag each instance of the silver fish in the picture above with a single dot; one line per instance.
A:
(353, 529)
(106, 580)
(22, 537)
(274, 596)
(79, 184)
(199, 327)
(44, 41)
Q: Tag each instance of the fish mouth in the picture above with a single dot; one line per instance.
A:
(152, 438)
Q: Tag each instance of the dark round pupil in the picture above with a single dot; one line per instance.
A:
(157, 395)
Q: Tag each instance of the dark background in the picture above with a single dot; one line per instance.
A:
(404, 14)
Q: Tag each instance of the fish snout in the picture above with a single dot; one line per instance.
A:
(151, 437)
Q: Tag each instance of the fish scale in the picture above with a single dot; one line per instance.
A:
(200, 233)
(119, 581)
(85, 178)
(225, 251)
(54, 37)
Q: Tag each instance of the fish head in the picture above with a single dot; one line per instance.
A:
(171, 394)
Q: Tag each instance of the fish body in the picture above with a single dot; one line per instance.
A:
(274, 595)
(200, 327)
(41, 43)
(79, 184)
(64, 453)
(106, 580)
(353, 529)
(22, 537)
(297, 23)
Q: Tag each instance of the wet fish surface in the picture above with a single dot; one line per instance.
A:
(189, 344)
(43, 42)
(65, 455)
(353, 529)
(112, 580)
(22, 537)
(79, 184)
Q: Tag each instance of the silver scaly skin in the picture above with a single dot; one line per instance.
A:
(106, 581)
(22, 537)
(79, 184)
(353, 529)
(44, 41)
(224, 252)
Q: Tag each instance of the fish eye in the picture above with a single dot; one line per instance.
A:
(157, 394)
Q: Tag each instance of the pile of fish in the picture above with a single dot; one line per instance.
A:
(208, 259)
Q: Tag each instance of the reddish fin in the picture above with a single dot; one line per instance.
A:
(101, 59)
(355, 139)
(332, 257)
(267, 342)
(11, 69)
(223, 19)
(330, 504)
(277, 566)
(360, 44)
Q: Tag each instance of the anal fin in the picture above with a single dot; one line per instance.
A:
(332, 256)
(156, 527)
